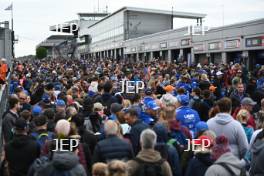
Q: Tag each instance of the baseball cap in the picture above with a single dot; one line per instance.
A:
(183, 99)
(152, 105)
(212, 88)
(219, 73)
(148, 91)
(60, 103)
(248, 101)
(201, 126)
(20, 124)
(36, 110)
(116, 107)
(169, 88)
(46, 98)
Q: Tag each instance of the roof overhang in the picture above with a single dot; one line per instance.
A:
(175, 14)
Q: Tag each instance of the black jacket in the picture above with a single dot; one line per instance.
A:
(199, 164)
(134, 134)
(9, 120)
(20, 153)
(112, 148)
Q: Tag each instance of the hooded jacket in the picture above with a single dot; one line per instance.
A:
(257, 156)
(63, 162)
(20, 154)
(230, 160)
(171, 154)
(224, 124)
(148, 155)
(199, 164)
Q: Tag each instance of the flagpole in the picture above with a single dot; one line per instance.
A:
(13, 34)
(12, 21)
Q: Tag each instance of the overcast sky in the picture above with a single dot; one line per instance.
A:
(32, 18)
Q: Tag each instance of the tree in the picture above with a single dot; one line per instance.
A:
(41, 52)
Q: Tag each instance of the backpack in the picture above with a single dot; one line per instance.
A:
(243, 171)
(42, 138)
(174, 143)
(43, 166)
(149, 168)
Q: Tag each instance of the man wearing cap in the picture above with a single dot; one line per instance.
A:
(150, 115)
(137, 126)
(186, 115)
(168, 98)
(36, 111)
(22, 150)
(218, 82)
(148, 95)
(115, 110)
(10, 117)
(247, 104)
(60, 106)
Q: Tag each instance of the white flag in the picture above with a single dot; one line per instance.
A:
(9, 7)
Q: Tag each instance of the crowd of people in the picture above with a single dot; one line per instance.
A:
(71, 118)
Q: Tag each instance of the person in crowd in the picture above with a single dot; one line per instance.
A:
(115, 110)
(202, 159)
(187, 116)
(107, 99)
(256, 152)
(112, 147)
(60, 106)
(50, 114)
(226, 163)
(117, 168)
(198, 104)
(148, 161)
(242, 117)
(168, 152)
(3, 70)
(237, 95)
(41, 134)
(204, 83)
(10, 117)
(200, 128)
(99, 169)
(258, 115)
(64, 161)
(168, 98)
(247, 104)
(21, 151)
(137, 126)
(150, 115)
(224, 124)
(65, 131)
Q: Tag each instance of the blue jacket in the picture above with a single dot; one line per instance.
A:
(146, 118)
(260, 83)
(187, 117)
